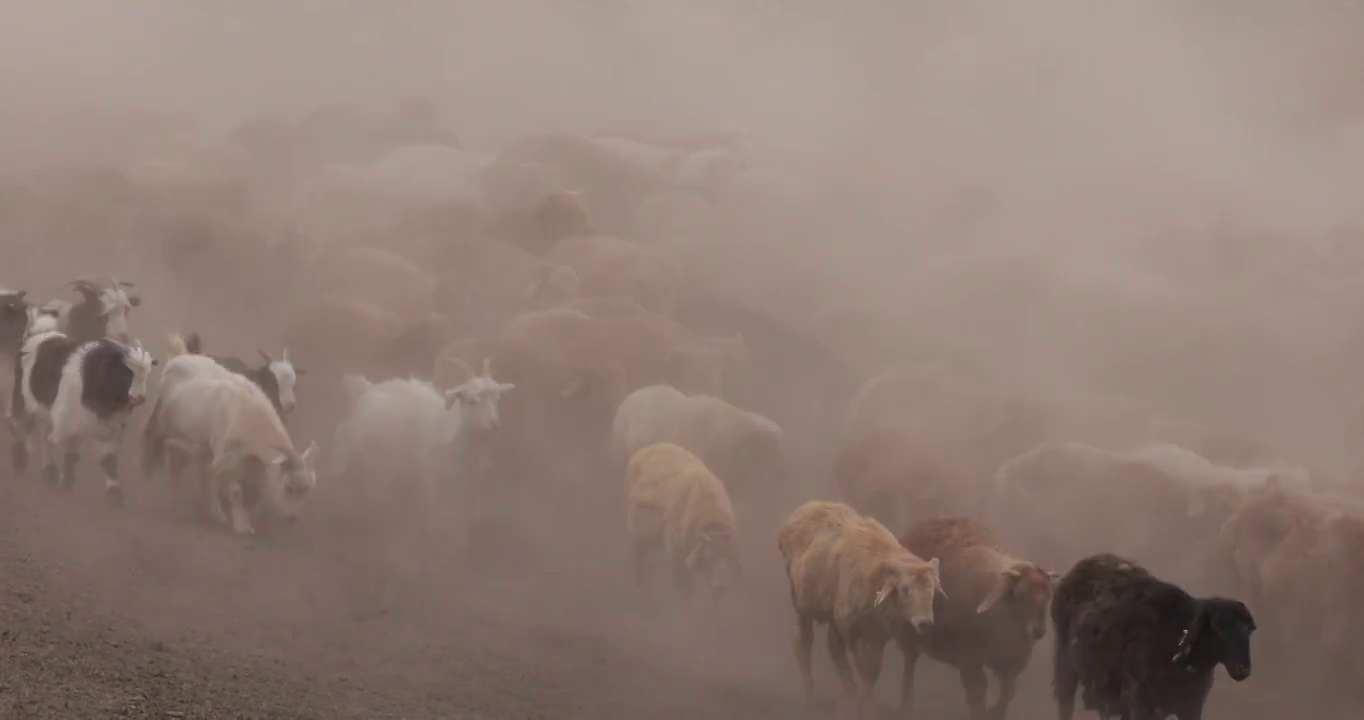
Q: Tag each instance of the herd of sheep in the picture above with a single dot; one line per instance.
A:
(511, 314)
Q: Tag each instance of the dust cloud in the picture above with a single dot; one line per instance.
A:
(1066, 201)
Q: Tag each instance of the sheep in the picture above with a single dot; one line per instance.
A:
(375, 275)
(102, 311)
(1138, 647)
(558, 215)
(491, 281)
(674, 504)
(609, 184)
(885, 475)
(1276, 544)
(275, 377)
(336, 336)
(969, 426)
(651, 349)
(843, 567)
(611, 267)
(76, 392)
(231, 420)
(997, 611)
(410, 423)
(743, 448)
(1121, 492)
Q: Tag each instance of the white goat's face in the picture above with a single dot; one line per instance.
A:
(116, 304)
(297, 476)
(285, 377)
(140, 363)
(478, 400)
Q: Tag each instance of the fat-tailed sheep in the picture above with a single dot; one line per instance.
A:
(674, 504)
(743, 448)
(996, 613)
(849, 572)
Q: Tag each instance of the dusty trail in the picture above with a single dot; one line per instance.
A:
(140, 613)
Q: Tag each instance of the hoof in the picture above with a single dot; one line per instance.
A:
(115, 494)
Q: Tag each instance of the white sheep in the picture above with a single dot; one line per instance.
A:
(743, 448)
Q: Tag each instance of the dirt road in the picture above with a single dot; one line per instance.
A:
(139, 612)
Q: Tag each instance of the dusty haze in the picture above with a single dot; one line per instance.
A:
(1060, 198)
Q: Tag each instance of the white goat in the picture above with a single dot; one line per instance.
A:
(410, 422)
(231, 419)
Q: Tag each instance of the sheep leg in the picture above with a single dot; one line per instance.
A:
(1065, 681)
(215, 503)
(803, 648)
(866, 657)
(69, 452)
(838, 652)
(682, 580)
(1008, 687)
(241, 524)
(973, 682)
(18, 446)
(1194, 711)
(108, 462)
(910, 649)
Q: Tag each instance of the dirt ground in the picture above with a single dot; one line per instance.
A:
(140, 612)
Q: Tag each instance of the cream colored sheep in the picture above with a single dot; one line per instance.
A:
(849, 572)
(674, 504)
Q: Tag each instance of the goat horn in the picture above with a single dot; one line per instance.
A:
(266, 355)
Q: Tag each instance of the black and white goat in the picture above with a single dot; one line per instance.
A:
(68, 392)
(275, 377)
(14, 314)
(102, 311)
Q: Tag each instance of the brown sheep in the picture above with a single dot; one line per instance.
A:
(612, 267)
(843, 567)
(676, 505)
(648, 351)
(886, 476)
(996, 614)
(492, 281)
(375, 275)
(611, 186)
(970, 426)
(1280, 543)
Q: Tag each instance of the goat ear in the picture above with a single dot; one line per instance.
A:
(1003, 584)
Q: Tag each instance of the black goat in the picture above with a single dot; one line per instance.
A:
(102, 311)
(275, 378)
(1140, 648)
